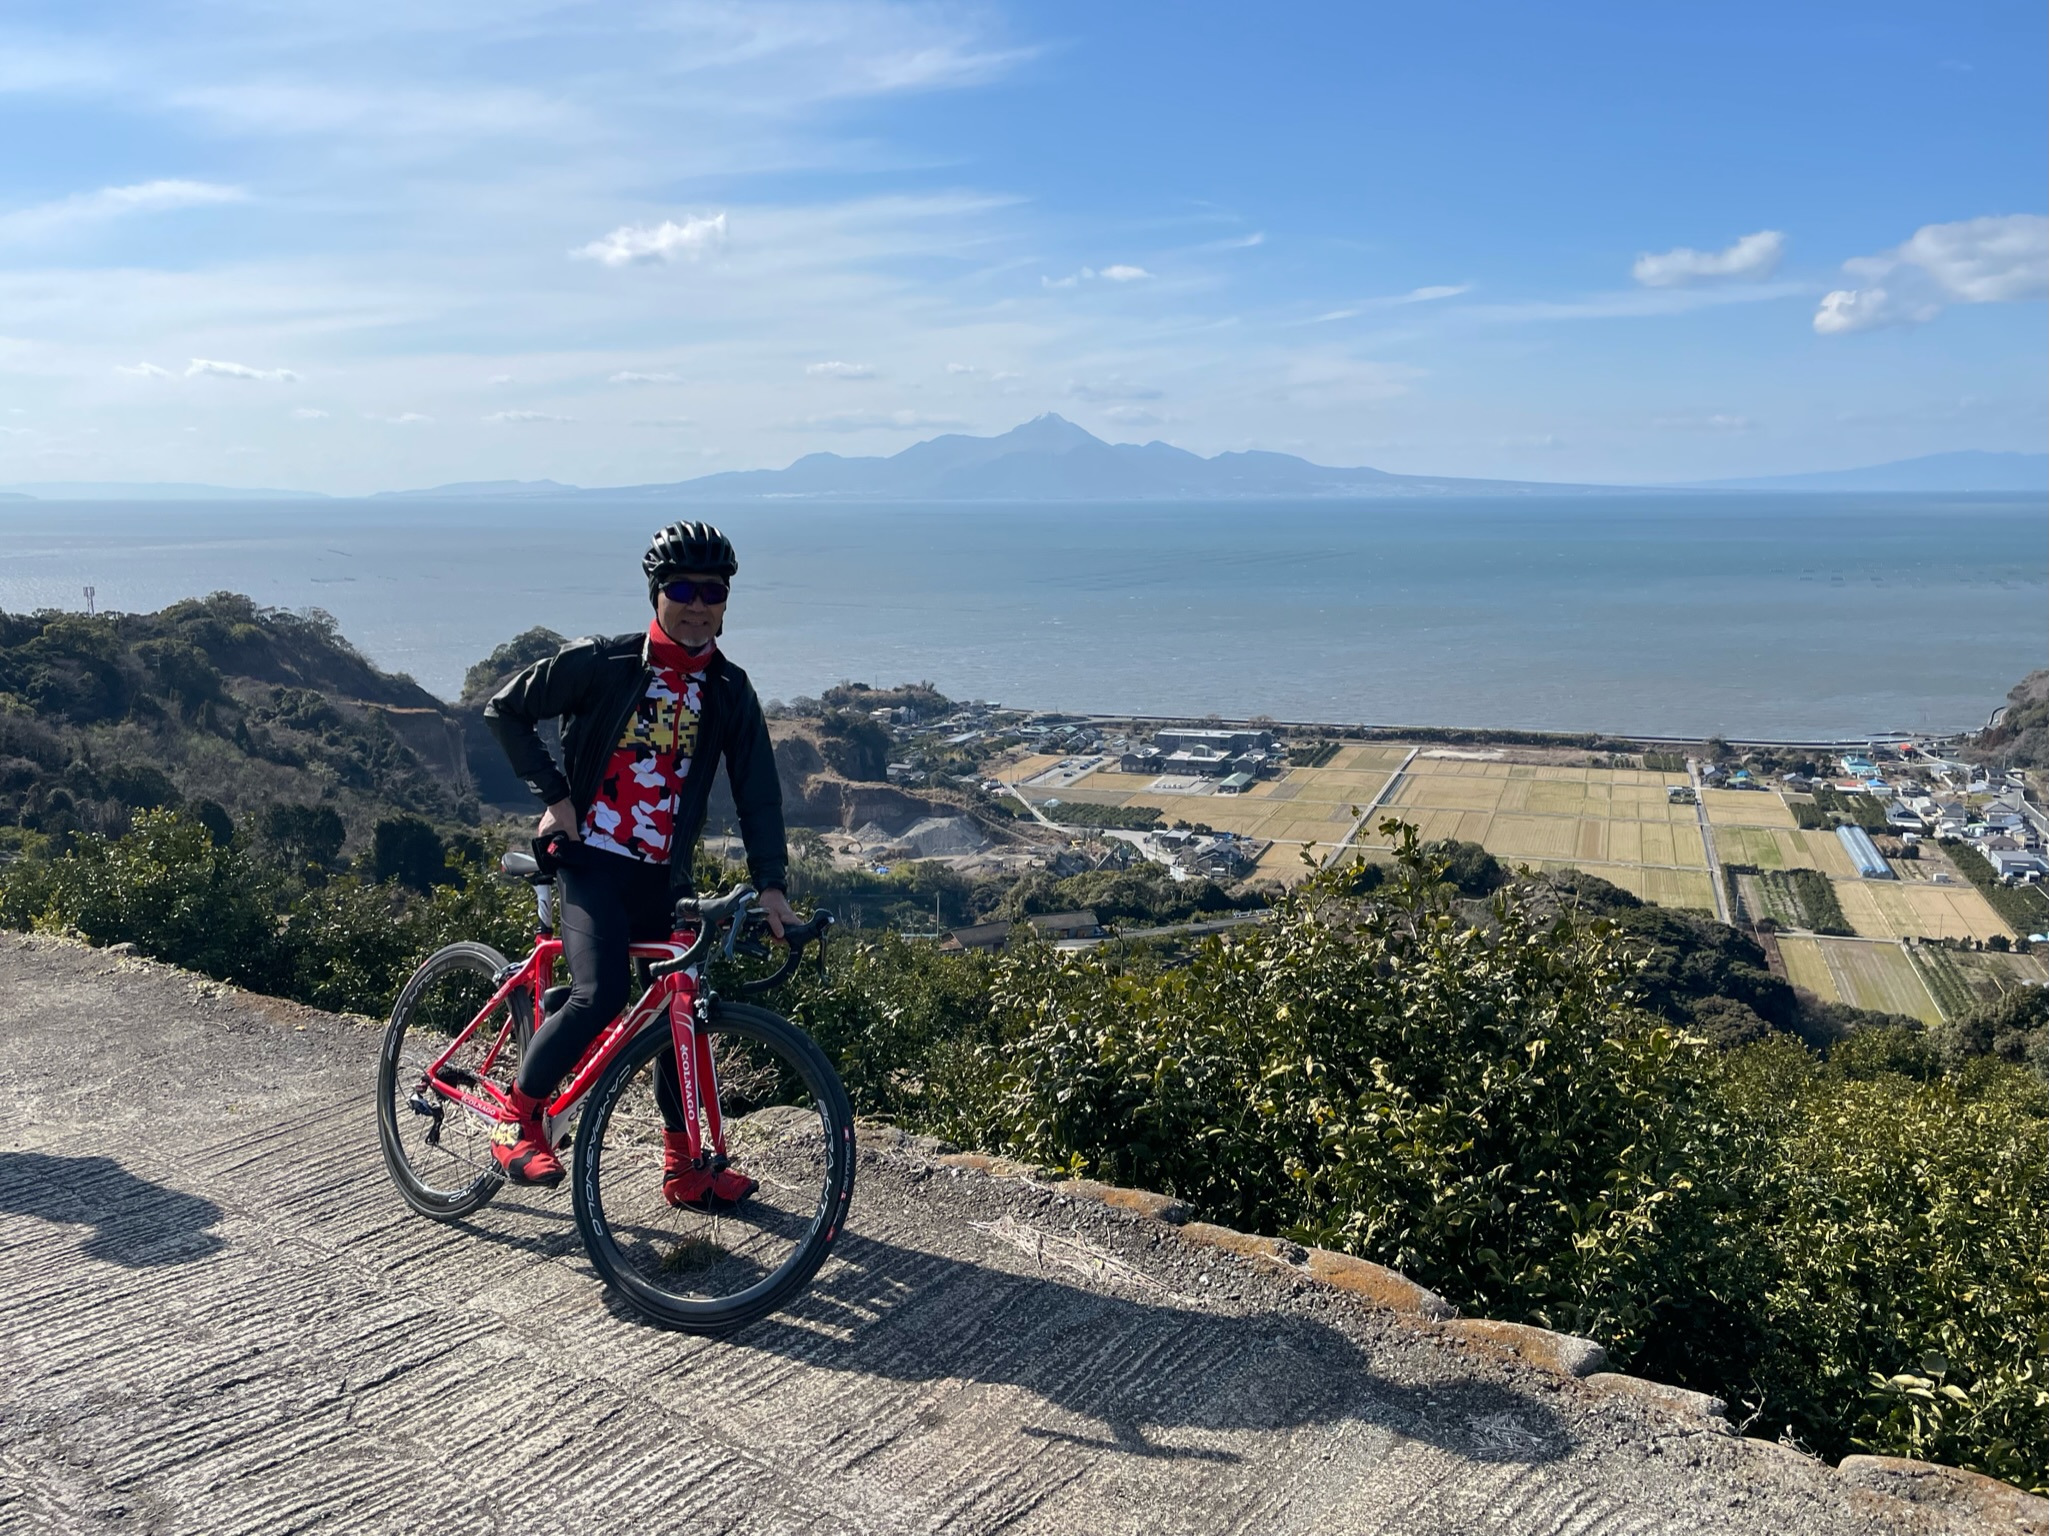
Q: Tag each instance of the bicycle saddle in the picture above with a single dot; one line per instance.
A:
(524, 866)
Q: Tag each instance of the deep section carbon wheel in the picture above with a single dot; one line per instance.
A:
(788, 1128)
(437, 1150)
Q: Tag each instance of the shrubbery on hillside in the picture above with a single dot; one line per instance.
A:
(241, 913)
(210, 700)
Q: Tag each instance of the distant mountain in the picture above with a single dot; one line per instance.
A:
(1046, 459)
(116, 490)
(470, 490)
(1972, 470)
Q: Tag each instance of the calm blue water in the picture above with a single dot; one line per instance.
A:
(1760, 615)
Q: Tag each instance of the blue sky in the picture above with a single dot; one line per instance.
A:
(392, 244)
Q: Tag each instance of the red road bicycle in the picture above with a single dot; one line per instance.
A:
(756, 1094)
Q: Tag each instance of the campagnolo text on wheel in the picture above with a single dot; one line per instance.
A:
(713, 1160)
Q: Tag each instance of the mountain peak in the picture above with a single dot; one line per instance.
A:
(1050, 432)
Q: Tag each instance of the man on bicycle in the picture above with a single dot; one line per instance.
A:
(645, 719)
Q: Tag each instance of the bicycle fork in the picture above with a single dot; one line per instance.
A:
(704, 1127)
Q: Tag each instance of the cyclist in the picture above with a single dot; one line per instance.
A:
(645, 720)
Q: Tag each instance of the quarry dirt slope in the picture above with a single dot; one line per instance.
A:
(218, 1317)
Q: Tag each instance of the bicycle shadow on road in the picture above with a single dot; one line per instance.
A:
(137, 1224)
(1132, 1366)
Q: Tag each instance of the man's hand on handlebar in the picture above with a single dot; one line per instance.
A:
(775, 906)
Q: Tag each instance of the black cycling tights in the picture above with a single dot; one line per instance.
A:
(603, 902)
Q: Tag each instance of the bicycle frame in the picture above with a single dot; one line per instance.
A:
(680, 994)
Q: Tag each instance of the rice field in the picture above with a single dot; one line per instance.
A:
(1746, 808)
(1782, 848)
(1878, 976)
(1894, 909)
(1614, 823)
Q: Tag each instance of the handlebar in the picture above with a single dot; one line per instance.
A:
(742, 920)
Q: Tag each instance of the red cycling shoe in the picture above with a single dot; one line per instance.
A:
(690, 1188)
(521, 1146)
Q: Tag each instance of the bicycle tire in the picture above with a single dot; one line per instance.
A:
(438, 1177)
(664, 1263)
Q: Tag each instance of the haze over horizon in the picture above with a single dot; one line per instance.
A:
(419, 244)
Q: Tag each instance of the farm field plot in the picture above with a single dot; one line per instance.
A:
(1547, 837)
(1667, 887)
(1778, 848)
(1805, 966)
(1333, 784)
(1368, 757)
(1028, 767)
(1450, 792)
(1746, 808)
(1863, 974)
(1889, 909)
(1965, 979)
(1880, 977)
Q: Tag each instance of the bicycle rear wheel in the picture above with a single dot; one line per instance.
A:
(788, 1127)
(437, 1151)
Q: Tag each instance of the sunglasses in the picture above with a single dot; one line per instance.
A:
(712, 592)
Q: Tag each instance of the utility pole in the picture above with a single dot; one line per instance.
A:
(89, 591)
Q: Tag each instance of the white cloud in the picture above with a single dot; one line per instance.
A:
(213, 368)
(1114, 274)
(143, 371)
(307, 413)
(877, 421)
(1993, 260)
(402, 419)
(838, 370)
(1429, 294)
(1751, 259)
(632, 244)
(1238, 242)
(1115, 387)
(114, 203)
(629, 376)
(518, 416)
(1134, 416)
(1719, 422)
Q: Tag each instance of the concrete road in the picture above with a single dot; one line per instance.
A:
(216, 1317)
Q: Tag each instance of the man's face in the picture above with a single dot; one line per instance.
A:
(696, 622)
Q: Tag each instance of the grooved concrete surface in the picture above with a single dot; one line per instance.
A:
(215, 1316)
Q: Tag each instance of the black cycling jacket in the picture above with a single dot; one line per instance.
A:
(592, 684)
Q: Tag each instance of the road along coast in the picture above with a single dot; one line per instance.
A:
(221, 1319)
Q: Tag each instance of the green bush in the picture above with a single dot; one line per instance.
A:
(177, 894)
(1479, 1106)
(1908, 1310)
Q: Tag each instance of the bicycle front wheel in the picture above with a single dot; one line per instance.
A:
(788, 1128)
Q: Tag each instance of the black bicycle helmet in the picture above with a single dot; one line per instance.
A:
(687, 549)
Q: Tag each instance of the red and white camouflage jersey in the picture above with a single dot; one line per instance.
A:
(635, 809)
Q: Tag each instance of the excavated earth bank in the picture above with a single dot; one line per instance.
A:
(217, 1317)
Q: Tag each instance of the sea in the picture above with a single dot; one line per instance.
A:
(1768, 617)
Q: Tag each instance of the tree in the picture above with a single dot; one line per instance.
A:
(408, 850)
(304, 835)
